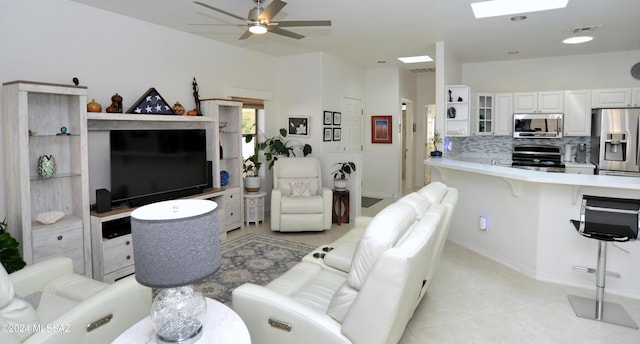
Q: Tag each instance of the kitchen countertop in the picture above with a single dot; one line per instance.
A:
(504, 170)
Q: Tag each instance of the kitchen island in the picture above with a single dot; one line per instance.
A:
(527, 217)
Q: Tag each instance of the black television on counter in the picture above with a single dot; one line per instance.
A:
(154, 165)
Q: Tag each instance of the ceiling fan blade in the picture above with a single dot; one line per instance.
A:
(245, 35)
(270, 11)
(291, 23)
(219, 10)
(279, 31)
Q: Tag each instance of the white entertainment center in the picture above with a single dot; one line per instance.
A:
(35, 114)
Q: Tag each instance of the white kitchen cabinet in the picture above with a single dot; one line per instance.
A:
(484, 114)
(538, 102)
(577, 113)
(457, 113)
(615, 97)
(503, 112)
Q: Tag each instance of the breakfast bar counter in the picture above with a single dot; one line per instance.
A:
(527, 215)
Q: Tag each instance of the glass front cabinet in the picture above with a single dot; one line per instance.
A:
(485, 122)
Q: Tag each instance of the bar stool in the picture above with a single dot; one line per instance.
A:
(605, 219)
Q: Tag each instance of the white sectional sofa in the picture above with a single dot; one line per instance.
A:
(364, 287)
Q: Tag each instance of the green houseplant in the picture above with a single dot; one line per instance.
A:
(279, 146)
(341, 173)
(9, 252)
(251, 168)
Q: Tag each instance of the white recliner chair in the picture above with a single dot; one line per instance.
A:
(47, 303)
(298, 200)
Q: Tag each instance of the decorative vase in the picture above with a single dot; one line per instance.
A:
(340, 184)
(178, 108)
(252, 183)
(94, 106)
(46, 166)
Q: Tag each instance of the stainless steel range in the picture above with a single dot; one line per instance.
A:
(545, 158)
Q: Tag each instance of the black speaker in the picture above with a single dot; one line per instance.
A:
(209, 174)
(103, 200)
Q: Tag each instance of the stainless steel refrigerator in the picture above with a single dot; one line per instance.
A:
(614, 141)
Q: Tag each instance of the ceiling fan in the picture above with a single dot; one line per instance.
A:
(259, 20)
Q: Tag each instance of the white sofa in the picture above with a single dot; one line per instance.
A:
(298, 200)
(47, 303)
(366, 288)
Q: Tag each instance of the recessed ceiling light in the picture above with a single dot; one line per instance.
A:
(518, 18)
(496, 8)
(513, 52)
(415, 59)
(577, 39)
(382, 61)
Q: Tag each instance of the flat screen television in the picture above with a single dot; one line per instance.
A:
(153, 165)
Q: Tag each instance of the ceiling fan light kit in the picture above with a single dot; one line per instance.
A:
(258, 29)
(259, 20)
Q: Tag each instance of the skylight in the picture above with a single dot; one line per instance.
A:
(415, 59)
(495, 8)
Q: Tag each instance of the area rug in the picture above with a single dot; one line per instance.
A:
(252, 258)
(369, 201)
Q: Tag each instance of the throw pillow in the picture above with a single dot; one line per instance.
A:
(300, 188)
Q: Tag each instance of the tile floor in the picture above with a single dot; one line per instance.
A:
(475, 300)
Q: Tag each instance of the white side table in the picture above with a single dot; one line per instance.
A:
(222, 325)
(254, 207)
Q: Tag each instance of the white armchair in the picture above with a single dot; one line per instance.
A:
(47, 303)
(298, 200)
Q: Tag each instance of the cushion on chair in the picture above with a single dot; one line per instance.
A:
(434, 191)
(301, 205)
(285, 184)
(75, 287)
(13, 310)
(382, 233)
(418, 201)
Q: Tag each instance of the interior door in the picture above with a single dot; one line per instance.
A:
(351, 140)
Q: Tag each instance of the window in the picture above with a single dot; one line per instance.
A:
(252, 110)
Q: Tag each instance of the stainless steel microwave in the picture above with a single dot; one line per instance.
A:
(538, 125)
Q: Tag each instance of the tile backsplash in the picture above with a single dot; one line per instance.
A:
(503, 145)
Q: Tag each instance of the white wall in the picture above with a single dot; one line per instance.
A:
(56, 40)
(609, 70)
(426, 87)
(382, 161)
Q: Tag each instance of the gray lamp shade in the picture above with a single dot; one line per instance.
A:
(175, 243)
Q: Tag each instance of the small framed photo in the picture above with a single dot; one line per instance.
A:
(337, 118)
(299, 126)
(328, 117)
(337, 133)
(327, 134)
(381, 129)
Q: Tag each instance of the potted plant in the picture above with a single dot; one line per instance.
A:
(436, 139)
(251, 168)
(280, 146)
(9, 253)
(341, 173)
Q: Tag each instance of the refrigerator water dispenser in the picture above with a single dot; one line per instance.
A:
(615, 147)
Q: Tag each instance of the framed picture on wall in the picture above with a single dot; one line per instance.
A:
(327, 134)
(337, 133)
(299, 126)
(328, 117)
(381, 129)
(337, 118)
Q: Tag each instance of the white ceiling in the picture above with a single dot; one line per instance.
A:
(365, 32)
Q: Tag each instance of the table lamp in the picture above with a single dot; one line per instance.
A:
(176, 244)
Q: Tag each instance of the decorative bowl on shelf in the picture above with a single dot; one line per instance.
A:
(49, 217)
(224, 178)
